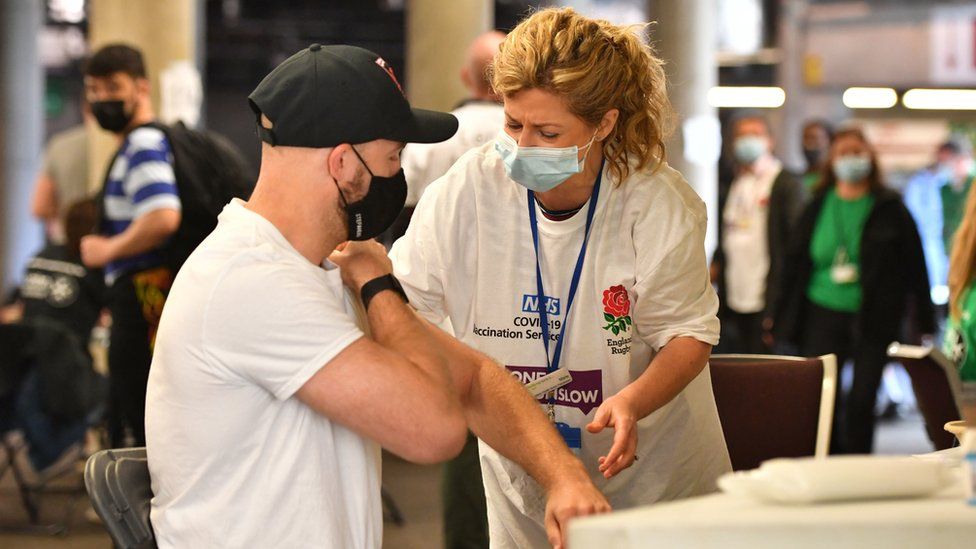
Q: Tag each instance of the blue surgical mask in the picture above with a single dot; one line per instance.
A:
(852, 168)
(748, 149)
(539, 169)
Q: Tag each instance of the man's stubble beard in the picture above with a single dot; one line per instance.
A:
(338, 221)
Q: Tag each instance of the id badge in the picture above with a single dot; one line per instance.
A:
(572, 435)
(549, 382)
(843, 273)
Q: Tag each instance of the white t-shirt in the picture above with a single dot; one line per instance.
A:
(478, 123)
(746, 239)
(235, 459)
(468, 255)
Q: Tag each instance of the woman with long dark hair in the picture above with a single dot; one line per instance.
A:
(856, 270)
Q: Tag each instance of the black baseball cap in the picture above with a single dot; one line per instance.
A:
(326, 95)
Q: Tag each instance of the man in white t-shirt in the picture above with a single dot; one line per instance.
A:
(763, 204)
(267, 404)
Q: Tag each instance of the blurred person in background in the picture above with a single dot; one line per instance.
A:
(58, 286)
(955, 169)
(924, 199)
(63, 179)
(568, 246)
(856, 269)
(480, 118)
(55, 395)
(756, 220)
(817, 134)
(141, 210)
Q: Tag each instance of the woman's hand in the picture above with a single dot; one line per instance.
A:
(620, 413)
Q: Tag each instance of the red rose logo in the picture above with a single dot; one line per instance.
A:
(616, 309)
(616, 301)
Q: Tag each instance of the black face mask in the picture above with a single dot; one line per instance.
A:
(111, 115)
(813, 157)
(369, 217)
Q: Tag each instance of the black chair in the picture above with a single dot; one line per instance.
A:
(774, 406)
(120, 491)
(937, 388)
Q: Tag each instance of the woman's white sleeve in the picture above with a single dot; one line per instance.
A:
(675, 297)
(417, 265)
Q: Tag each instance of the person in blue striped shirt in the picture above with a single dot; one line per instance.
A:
(141, 211)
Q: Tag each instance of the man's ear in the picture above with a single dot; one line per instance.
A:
(339, 164)
(143, 87)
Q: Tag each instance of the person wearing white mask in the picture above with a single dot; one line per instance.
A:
(855, 271)
(569, 251)
(756, 220)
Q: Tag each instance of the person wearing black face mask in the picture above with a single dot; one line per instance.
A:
(376, 211)
(141, 209)
(261, 370)
(816, 144)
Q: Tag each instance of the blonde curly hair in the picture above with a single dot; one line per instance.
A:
(595, 66)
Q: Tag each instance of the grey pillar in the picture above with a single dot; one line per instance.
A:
(789, 122)
(685, 37)
(21, 135)
(438, 36)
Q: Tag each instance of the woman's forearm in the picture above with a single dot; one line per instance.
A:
(670, 371)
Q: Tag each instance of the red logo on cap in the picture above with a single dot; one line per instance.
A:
(389, 71)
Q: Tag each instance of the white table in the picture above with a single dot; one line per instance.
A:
(729, 522)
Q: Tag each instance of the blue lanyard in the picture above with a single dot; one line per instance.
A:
(553, 365)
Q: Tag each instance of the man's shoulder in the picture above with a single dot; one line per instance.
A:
(478, 123)
(146, 138)
(479, 110)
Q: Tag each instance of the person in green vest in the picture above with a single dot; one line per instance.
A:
(856, 270)
(961, 332)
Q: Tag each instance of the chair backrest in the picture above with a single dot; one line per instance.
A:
(937, 388)
(120, 491)
(774, 406)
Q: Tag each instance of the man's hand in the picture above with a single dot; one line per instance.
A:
(360, 262)
(569, 499)
(97, 251)
(619, 413)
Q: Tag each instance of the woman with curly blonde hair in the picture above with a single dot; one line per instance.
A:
(569, 251)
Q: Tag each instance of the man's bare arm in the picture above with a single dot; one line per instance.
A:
(44, 202)
(147, 232)
(405, 403)
(503, 414)
(397, 388)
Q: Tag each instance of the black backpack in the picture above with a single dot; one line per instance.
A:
(210, 171)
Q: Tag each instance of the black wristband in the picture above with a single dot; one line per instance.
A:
(377, 285)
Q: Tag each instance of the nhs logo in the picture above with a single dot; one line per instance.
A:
(530, 304)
